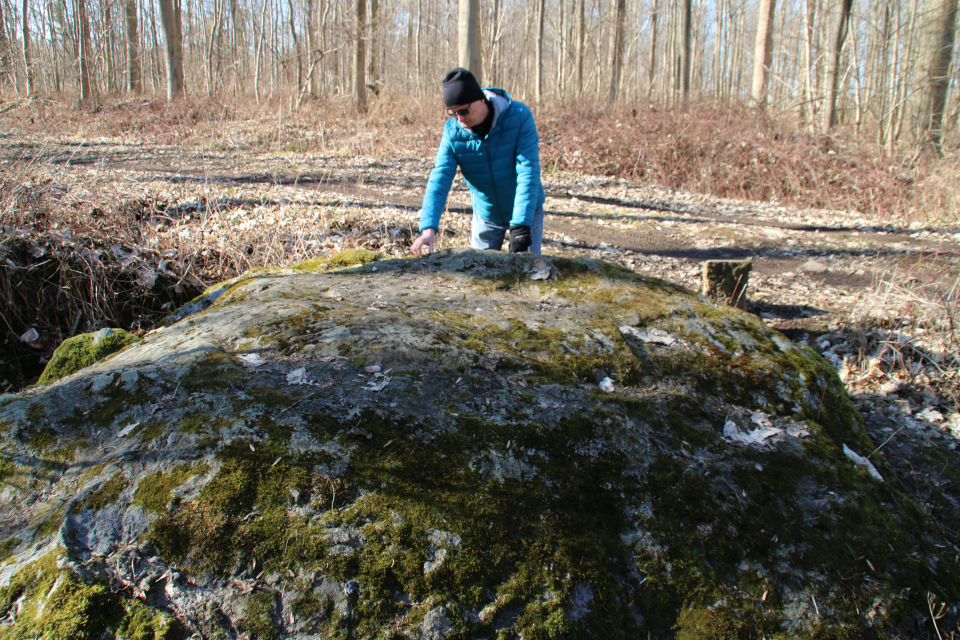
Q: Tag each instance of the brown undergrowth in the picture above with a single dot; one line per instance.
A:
(729, 152)
(725, 151)
(905, 333)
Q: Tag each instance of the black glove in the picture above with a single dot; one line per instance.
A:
(520, 239)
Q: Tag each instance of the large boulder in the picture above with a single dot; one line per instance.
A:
(472, 445)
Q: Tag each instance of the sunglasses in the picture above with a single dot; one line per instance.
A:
(459, 112)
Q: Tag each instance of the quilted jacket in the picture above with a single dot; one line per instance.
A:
(502, 169)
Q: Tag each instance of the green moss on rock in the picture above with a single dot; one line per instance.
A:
(153, 492)
(7, 547)
(240, 514)
(53, 602)
(260, 616)
(713, 624)
(347, 258)
(106, 494)
(140, 622)
(84, 350)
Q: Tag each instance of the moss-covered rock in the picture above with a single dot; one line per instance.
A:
(84, 350)
(473, 445)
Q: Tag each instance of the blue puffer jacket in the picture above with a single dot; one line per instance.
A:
(502, 170)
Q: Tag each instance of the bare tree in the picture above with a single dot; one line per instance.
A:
(938, 81)
(312, 56)
(83, 50)
(581, 32)
(298, 58)
(173, 41)
(832, 82)
(617, 38)
(132, 46)
(762, 51)
(105, 49)
(468, 37)
(652, 61)
(214, 47)
(359, 59)
(809, 77)
(374, 79)
(27, 59)
(4, 49)
(686, 56)
(541, 9)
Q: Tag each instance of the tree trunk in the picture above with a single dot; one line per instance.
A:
(107, 47)
(762, 52)
(27, 60)
(687, 50)
(652, 63)
(239, 48)
(83, 50)
(718, 50)
(541, 9)
(419, 34)
(212, 65)
(261, 34)
(616, 48)
(563, 42)
(4, 50)
(359, 57)
(468, 37)
(581, 33)
(374, 81)
(310, 11)
(298, 57)
(832, 83)
(132, 46)
(173, 46)
(939, 75)
(809, 104)
(494, 69)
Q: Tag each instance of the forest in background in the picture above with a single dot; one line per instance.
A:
(883, 69)
(847, 105)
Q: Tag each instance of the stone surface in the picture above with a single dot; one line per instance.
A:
(421, 448)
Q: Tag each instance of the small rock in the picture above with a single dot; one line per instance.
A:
(813, 266)
(101, 334)
(890, 388)
(435, 626)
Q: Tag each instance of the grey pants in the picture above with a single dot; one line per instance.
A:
(490, 235)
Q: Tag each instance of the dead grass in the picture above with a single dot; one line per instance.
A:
(907, 330)
(721, 151)
(738, 153)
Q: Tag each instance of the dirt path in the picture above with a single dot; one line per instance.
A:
(807, 263)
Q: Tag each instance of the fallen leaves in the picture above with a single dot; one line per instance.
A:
(359, 432)
(764, 433)
(863, 462)
(657, 336)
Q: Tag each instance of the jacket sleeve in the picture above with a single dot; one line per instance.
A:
(528, 173)
(438, 186)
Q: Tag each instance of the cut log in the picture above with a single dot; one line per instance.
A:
(725, 281)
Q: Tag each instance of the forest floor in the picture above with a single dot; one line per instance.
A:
(876, 298)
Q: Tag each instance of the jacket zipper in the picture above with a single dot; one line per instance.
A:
(493, 180)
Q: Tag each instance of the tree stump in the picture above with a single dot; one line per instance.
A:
(725, 281)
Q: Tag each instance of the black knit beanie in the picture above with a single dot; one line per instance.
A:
(461, 87)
